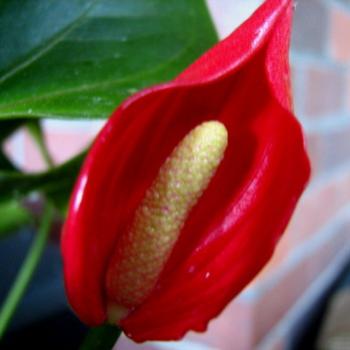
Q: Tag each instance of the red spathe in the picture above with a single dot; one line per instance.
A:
(244, 82)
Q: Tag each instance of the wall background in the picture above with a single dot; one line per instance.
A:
(269, 312)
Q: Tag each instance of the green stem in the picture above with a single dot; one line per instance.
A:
(35, 129)
(46, 155)
(101, 338)
(26, 272)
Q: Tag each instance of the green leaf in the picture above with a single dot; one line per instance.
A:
(81, 58)
(56, 183)
(13, 215)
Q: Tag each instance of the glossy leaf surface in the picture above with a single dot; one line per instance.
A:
(80, 58)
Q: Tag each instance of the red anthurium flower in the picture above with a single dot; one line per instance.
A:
(188, 188)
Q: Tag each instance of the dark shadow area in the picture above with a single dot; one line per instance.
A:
(43, 319)
(59, 331)
(309, 331)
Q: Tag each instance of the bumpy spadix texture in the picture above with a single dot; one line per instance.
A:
(144, 249)
(232, 230)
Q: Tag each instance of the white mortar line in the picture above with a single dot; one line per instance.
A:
(182, 345)
(72, 126)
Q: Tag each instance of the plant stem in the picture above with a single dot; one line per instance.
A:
(26, 272)
(101, 338)
(35, 129)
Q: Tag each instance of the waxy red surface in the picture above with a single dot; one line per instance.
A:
(231, 233)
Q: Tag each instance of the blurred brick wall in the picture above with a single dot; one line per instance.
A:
(269, 312)
(317, 242)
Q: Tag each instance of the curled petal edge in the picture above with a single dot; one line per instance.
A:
(216, 257)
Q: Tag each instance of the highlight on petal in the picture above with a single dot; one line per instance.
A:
(229, 232)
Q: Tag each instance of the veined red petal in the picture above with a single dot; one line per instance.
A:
(232, 231)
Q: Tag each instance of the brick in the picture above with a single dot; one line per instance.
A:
(63, 146)
(310, 26)
(67, 138)
(315, 146)
(336, 150)
(236, 322)
(24, 153)
(33, 158)
(228, 15)
(276, 343)
(298, 87)
(279, 298)
(324, 91)
(345, 2)
(315, 209)
(339, 35)
(348, 94)
(328, 150)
